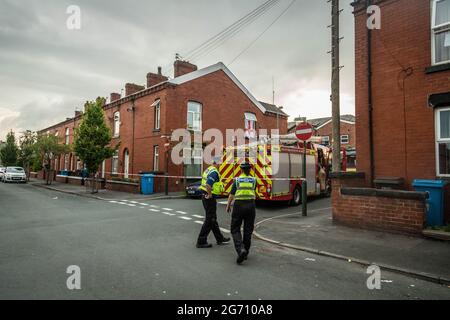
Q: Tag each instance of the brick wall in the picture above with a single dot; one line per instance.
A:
(356, 206)
(401, 149)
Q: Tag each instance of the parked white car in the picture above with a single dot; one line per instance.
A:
(14, 174)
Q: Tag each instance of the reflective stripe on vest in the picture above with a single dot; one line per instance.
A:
(245, 188)
(217, 187)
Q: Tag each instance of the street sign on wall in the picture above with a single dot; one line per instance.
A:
(304, 131)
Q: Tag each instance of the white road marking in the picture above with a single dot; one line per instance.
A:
(168, 209)
(197, 216)
(143, 204)
(169, 214)
(122, 203)
(225, 230)
(113, 201)
(222, 202)
(181, 212)
(153, 206)
(185, 218)
(134, 202)
(199, 222)
(154, 210)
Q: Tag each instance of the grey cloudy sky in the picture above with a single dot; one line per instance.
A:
(47, 71)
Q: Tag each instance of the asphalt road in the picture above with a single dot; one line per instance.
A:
(130, 250)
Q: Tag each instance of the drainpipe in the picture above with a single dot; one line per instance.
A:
(370, 99)
(133, 110)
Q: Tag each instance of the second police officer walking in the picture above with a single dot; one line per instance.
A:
(243, 192)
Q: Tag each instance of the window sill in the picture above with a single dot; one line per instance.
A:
(438, 68)
(156, 130)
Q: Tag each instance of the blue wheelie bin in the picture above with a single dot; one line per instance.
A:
(435, 201)
(147, 183)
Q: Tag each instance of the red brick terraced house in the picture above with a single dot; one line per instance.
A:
(403, 91)
(146, 116)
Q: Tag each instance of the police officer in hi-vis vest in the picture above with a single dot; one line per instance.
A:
(243, 192)
(212, 187)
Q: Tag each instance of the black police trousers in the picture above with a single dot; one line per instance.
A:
(243, 212)
(210, 223)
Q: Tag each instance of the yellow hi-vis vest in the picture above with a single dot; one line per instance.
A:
(217, 187)
(245, 188)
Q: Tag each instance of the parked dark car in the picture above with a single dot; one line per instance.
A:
(193, 189)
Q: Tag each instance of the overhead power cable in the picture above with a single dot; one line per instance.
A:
(228, 33)
(263, 32)
(231, 31)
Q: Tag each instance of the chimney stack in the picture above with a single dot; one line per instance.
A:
(155, 78)
(131, 88)
(78, 113)
(114, 96)
(183, 67)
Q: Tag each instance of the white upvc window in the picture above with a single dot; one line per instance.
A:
(250, 125)
(193, 161)
(67, 135)
(194, 116)
(115, 163)
(326, 140)
(157, 114)
(345, 139)
(156, 158)
(116, 130)
(442, 126)
(440, 27)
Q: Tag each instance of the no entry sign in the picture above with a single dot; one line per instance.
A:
(304, 131)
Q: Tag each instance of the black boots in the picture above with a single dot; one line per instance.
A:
(242, 256)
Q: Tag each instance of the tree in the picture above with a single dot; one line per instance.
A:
(92, 138)
(27, 150)
(8, 153)
(47, 148)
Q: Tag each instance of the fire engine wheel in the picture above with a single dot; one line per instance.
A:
(296, 196)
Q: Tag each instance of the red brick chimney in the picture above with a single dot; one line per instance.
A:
(78, 113)
(114, 96)
(131, 88)
(155, 78)
(183, 67)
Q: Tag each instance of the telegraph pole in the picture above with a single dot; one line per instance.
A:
(335, 99)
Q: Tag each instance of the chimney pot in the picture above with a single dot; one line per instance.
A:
(159, 71)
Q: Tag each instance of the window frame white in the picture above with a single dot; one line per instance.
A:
(438, 139)
(115, 160)
(192, 157)
(194, 113)
(116, 124)
(67, 136)
(156, 158)
(436, 29)
(250, 118)
(348, 138)
(327, 139)
(157, 114)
